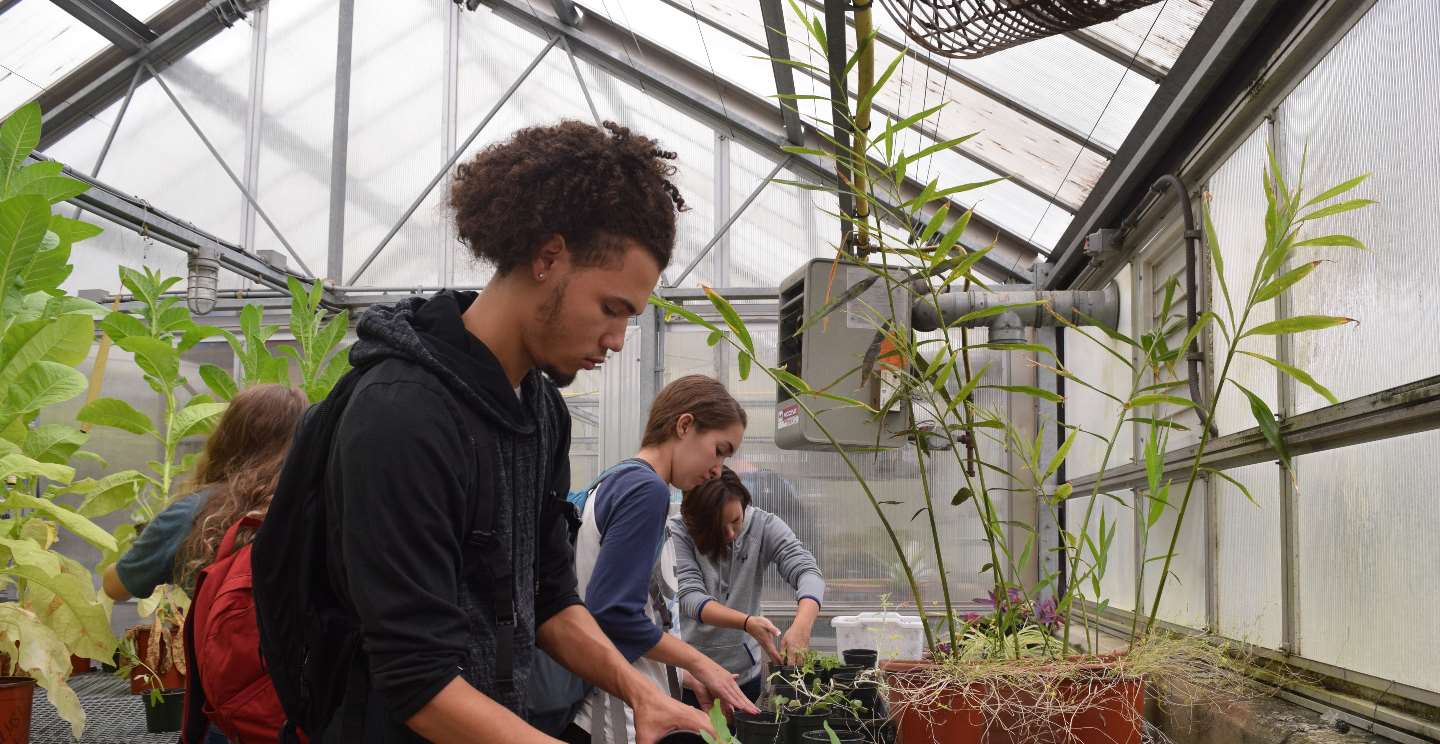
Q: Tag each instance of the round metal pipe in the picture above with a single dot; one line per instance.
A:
(1081, 307)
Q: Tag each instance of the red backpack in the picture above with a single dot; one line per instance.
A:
(227, 685)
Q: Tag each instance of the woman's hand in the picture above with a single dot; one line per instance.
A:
(720, 683)
(688, 681)
(764, 631)
(795, 643)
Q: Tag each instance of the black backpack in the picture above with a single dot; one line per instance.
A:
(310, 640)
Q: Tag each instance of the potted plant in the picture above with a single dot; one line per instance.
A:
(154, 655)
(1032, 665)
(766, 727)
(44, 336)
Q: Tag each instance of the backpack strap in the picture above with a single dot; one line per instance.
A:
(227, 544)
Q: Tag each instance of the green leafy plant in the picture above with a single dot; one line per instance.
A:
(44, 336)
(316, 353)
(722, 733)
(156, 335)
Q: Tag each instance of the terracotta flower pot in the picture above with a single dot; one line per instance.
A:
(79, 665)
(16, 694)
(140, 678)
(1102, 710)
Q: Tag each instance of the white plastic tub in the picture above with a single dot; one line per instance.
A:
(892, 635)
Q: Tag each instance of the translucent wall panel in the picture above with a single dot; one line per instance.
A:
(1358, 111)
(490, 62)
(1087, 358)
(397, 98)
(623, 405)
(784, 227)
(1248, 557)
(1158, 33)
(1367, 558)
(42, 44)
(1184, 599)
(158, 157)
(297, 120)
(1237, 208)
(816, 494)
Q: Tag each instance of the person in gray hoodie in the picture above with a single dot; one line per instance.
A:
(723, 546)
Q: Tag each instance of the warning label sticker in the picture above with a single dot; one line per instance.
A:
(788, 415)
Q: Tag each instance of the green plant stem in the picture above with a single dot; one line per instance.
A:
(935, 535)
(1194, 476)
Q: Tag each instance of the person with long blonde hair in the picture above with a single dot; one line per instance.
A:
(235, 476)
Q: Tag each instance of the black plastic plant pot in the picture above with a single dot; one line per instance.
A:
(165, 716)
(801, 722)
(865, 657)
(762, 728)
(853, 670)
(872, 730)
(867, 693)
(823, 736)
(784, 690)
(682, 737)
(844, 679)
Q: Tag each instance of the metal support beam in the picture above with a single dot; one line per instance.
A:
(137, 214)
(1019, 179)
(111, 21)
(445, 169)
(1389, 413)
(777, 45)
(254, 121)
(1234, 42)
(584, 87)
(724, 228)
(182, 27)
(1118, 54)
(340, 143)
(119, 117)
(229, 172)
(689, 88)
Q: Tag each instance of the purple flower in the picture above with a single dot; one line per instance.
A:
(970, 617)
(1046, 613)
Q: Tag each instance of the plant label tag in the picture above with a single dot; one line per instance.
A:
(788, 415)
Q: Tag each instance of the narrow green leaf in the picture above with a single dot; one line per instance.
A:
(1233, 482)
(1141, 401)
(672, 308)
(1158, 501)
(1297, 373)
(863, 102)
(1342, 241)
(1158, 422)
(1201, 321)
(1337, 190)
(936, 147)
(950, 238)
(965, 391)
(1062, 492)
(1269, 427)
(933, 226)
(907, 122)
(1273, 289)
(851, 293)
(732, 319)
(987, 312)
(1028, 390)
(793, 382)
(1297, 324)
(742, 362)
(1212, 239)
(1060, 454)
(1340, 208)
(961, 496)
(797, 150)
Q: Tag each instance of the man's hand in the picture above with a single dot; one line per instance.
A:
(698, 688)
(658, 714)
(795, 643)
(721, 684)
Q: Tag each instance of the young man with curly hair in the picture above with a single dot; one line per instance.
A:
(449, 464)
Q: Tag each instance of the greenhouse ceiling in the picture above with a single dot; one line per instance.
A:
(1048, 116)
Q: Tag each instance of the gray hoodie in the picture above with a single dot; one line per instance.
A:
(736, 582)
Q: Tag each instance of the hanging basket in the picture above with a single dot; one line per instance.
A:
(966, 29)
